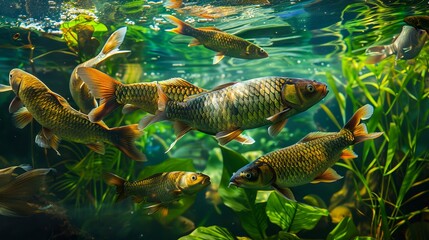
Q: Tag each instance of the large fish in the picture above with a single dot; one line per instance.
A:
(138, 95)
(60, 120)
(231, 108)
(79, 91)
(17, 194)
(309, 160)
(159, 190)
(407, 45)
(223, 43)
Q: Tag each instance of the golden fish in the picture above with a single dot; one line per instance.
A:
(79, 91)
(221, 42)
(160, 189)
(309, 160)
(17, 194)
(60, 120)
(231, 108)
(134, 96)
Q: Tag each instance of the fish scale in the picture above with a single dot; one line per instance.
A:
(231, 107)
(302, 162)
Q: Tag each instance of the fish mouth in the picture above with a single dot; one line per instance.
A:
(233, 183)
(206, 181)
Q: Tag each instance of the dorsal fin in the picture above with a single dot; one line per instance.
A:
(222, 86)
(210, 29)
(315, 135)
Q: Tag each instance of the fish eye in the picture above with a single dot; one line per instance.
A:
(194, 177)
(261, 50)
(310, 88)
(248, 175)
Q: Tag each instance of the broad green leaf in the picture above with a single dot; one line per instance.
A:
(282, 235)
(212, 232)
(292, 216)
(242, 201)
(345, 230)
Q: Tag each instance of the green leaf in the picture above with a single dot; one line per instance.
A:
(394, 132)
(169, 165)
(346, 229)
(252, 216)
(292, 216)
(282, 235)
(212, 232)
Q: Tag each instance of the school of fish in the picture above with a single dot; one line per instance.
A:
(225, 112)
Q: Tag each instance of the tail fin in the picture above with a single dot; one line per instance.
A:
(377, 53)
(102, 86)
(182, 28)
(359, 129)
(173, 3)
(111, 47)
(117, 181)
(160, 114)
(17, 195)
(124, 137)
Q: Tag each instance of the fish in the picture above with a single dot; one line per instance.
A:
(179, 3)
(223, 43)
(132, 96)
(309, 160)
(158, 190)
(407, 45)
(229, 109)
(420, 22)
(7, 174)
(78, 89)
(60, 121)
(17, 196)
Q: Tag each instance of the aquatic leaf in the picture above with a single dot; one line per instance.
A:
(315, 200)
(283, 235)
(344, 230)
(293, 216)
(169, 165)
(252, 216)
(392, 147)
(212, 232)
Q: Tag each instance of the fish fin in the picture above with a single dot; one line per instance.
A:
(315, 135)
(47, 139)
(348, 154)
(330, 175)
(5, 88)
(376, 54)
(102, 86)
(97, 147)
(117, 181)
(275, 128)
(182, 27)
(15, 104)
(222, 86)
(210, 29)
(218, 57)
(173, 3)
(124, 137)
(194, 42)
(22, 117)
(244, 139)
(177, 82)
(162, 98)
(285, 192)
(225, 137)
(160, 114)
(180, 129)
(129, 108)
(115, 40)
(359, 130)
(151, 209)
(279, 116)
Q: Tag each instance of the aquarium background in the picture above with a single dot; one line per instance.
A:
(384, 192)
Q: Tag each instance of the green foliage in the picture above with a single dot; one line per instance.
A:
(213, 232)
(345, 230)
(292, 216)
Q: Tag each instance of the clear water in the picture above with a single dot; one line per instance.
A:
(321, 40)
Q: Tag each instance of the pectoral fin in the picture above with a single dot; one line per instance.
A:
(330, 175)
(22, 117)
(97, 147)
(285, 192)
(15, 105)
(275, 129)
(5, 88)
(47, 139)
(225, 137)
(129, 108)
(219, 56)
(244, 139)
